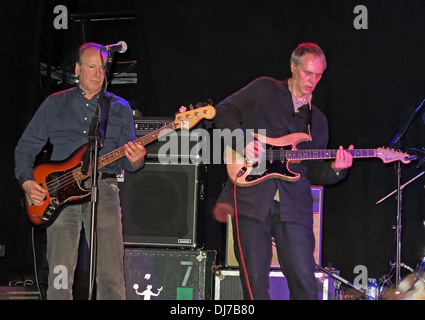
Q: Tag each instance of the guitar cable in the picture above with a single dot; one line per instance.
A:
(34, 255)
(239, 242)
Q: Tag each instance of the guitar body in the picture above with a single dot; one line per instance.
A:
(249, 174)
(280, 152)
(64, 184)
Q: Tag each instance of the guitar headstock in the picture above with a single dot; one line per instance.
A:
(190, 118)
(388, 155)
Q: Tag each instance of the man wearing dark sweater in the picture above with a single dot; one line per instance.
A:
(276, 208)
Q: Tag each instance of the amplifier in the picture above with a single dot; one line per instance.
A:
(178, 145)
(160, 204)
(150, 124)
(227, 285)
(317, 194)
(155, 274)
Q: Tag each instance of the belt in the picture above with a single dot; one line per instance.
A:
(104, 175)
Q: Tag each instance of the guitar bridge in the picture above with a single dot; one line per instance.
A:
(53, 205)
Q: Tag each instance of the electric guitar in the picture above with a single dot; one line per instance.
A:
(280, 152)
(64, 179)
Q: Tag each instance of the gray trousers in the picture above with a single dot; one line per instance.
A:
(63, 238)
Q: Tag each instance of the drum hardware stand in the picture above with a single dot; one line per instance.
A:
(401, 187)
(386, 279)
(418, 274)
(396, 143)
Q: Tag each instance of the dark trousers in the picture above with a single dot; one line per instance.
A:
(295, 248)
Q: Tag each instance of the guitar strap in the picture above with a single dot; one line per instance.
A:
(310, 116)
(310, 122)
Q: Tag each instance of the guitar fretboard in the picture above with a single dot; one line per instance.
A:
(318, 154)
(119, 153)
(185, 120)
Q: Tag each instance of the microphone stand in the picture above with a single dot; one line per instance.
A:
(94, 137)
(396, 143)
(94, 150)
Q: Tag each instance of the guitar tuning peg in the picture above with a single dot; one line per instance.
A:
(191, 107)
(182, 109)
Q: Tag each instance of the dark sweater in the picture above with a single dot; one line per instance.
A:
(266, 103)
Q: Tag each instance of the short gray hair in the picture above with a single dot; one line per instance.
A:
(305, 48)
(86, 46)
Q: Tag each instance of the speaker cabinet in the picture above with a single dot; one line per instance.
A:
(160, 205)
(167, 274)
(317, 194)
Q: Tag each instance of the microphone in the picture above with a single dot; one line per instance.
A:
(121, 47)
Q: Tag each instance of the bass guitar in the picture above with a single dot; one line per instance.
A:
(280, 152)
(64, 180)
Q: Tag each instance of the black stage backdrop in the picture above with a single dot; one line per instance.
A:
(190, 51)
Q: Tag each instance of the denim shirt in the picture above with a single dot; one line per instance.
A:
(64, 119)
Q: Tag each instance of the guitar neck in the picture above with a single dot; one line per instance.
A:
(187, 120)
(119, 153)
(321, 154)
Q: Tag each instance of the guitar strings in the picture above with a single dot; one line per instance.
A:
(285, 154)
(282, 154)
(76, 176)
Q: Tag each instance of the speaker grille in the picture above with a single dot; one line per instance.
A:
(159, 205)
